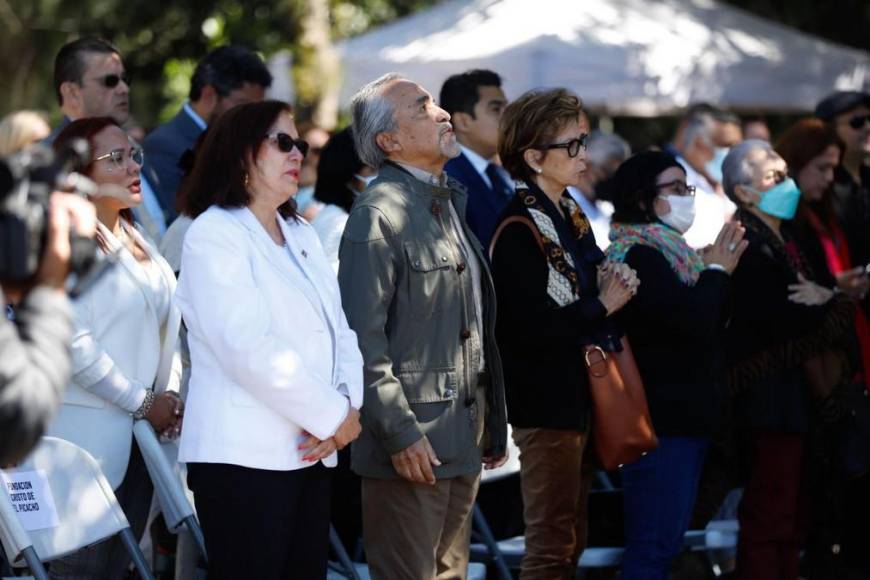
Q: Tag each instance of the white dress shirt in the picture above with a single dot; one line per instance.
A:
(711, 209)
(598, 213)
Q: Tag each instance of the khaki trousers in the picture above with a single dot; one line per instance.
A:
(555, 496)
(414, 531)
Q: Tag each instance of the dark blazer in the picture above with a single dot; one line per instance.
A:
(484, 204)
(677, 336)
(541, 344)
(164, 147)
(49, 141)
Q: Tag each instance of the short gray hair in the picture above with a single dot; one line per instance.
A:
(701, 125)
(372, 114)
(601, 148)
(736, 169)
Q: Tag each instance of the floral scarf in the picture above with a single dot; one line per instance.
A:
(684, 261)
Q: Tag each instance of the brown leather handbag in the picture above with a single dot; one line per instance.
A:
(622, 429)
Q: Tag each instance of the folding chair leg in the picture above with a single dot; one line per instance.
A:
(34, 563)
(343, 558)
(482, 527)
(136, 554)
(196, 532)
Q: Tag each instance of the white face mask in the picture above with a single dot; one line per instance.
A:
(682, 212)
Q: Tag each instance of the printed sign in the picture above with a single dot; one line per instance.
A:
(31, 499)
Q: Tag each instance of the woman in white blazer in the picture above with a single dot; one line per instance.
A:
(276, 374)
(125, 359)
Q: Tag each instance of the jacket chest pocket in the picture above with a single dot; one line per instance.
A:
(430, 278)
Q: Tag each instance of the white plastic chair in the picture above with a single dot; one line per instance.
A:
(161, 460)
(87, 510)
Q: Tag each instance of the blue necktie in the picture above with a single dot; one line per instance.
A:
(498, 184)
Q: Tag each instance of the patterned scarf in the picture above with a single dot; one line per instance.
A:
(563, 284)
(683, 260)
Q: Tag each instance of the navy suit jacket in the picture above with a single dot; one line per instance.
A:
(484, 204)
(164, 147)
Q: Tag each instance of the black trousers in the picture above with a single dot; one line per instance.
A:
(263, 524)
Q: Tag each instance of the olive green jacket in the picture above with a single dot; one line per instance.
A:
(408, 296)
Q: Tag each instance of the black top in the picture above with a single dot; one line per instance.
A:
(676, 332)
(541, 344)
(852, 207)
(769, 337)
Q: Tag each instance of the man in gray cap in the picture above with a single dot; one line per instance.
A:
(848, 113)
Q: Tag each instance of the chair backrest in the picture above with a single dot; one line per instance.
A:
(87, 509)
(12, 535)
(161, 459)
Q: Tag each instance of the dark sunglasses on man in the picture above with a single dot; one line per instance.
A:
(111, 81)
(858, 121)
(573, 146)
(286, 143)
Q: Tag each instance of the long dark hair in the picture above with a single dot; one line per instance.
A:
(338, 164)
(221, 164)
(633, 186)
(800, 144)
(88, 128)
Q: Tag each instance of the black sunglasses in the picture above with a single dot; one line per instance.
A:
(573, 146)
(858, 121)
(286, 143)
(111, 81)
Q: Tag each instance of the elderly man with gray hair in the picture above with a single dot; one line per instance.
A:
(604, 153)
(417, 291)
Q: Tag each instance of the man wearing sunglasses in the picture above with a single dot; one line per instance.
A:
(848, 113)
(225, 77)
(90, 81)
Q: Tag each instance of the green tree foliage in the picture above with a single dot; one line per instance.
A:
(161, 41)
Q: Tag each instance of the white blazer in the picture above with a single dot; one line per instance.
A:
(271, 351)
(118, 335)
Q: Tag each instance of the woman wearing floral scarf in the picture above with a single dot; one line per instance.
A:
(675, 325)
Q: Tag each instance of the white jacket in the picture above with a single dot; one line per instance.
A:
(119, 350)
(271, 352)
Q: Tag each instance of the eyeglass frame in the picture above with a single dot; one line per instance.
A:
(134, 152)
(300, 144)
(567, 145)
(687, 190)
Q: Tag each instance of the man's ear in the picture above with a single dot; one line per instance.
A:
(461, 122)
(388, 143)
(533, 159)
(71, 93)
(746, 196)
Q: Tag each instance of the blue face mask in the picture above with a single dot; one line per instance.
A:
(714, 166)
(781, 200)
(304, 197)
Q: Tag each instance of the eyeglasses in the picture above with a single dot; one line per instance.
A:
(111, 81)
(117, 156)
(573, 146)
(286, 143)
(680, 187)
(858, 121)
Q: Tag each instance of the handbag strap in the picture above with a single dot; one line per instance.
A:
(516, 219)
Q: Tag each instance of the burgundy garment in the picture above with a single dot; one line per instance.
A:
(773, 512)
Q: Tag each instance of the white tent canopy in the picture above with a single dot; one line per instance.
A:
(638, 57)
